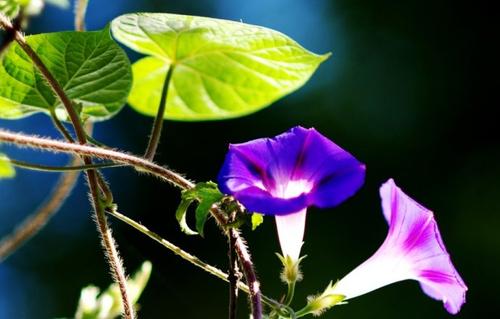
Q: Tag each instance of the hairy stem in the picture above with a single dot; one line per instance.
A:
(246, 264)
(154, 169)
(92, 176)
(154, 138)
(250, 276)
(109, 244)
(33, 223)
(187, 256)
(233, 271)
(80, 10)
(86, 150)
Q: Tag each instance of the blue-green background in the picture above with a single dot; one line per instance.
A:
(410, 90)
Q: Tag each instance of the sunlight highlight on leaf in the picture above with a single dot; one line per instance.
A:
(223, 69)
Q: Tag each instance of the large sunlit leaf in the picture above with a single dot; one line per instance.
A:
(222, 69)
(6, 169)
(93, 70)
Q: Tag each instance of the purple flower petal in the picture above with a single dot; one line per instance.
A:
(290, 172)
(413, 249)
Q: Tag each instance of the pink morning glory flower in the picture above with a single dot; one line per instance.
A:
(284, 175)
(413, 249)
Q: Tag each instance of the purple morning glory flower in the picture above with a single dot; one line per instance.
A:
(413, 249)
(284, 175)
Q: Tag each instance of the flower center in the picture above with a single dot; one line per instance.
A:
(294, 188)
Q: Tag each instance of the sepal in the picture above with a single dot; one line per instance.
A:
(291, 272)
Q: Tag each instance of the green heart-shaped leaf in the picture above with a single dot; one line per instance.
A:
(6, 169)
(222, 69)
(93, 70)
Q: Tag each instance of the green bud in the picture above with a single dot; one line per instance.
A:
(318, 304)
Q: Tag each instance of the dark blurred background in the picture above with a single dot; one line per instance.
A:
(411, 90)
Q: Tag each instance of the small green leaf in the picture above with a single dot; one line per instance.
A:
(6, 169)
(180, 214)
(257, 219)
(206, 194)
(222, 69)
(93, 70)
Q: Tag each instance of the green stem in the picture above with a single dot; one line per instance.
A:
(304, 312)
(156, 170)
(187, 256)
(290, 293)
(154, 138)
(58, 124)
(103, 186)
(32, 224)
(49, 168)
(92, 140)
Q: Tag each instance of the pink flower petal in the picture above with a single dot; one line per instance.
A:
(413, 249)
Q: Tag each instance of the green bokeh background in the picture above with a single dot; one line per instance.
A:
(409, 90)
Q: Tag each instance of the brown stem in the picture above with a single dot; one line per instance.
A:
(36, 221)
(246, 264)
(87, 150)
(233, 271)
(109, 244)
(250, 276)
(92, 176)
(154, 169)
(33, 223)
